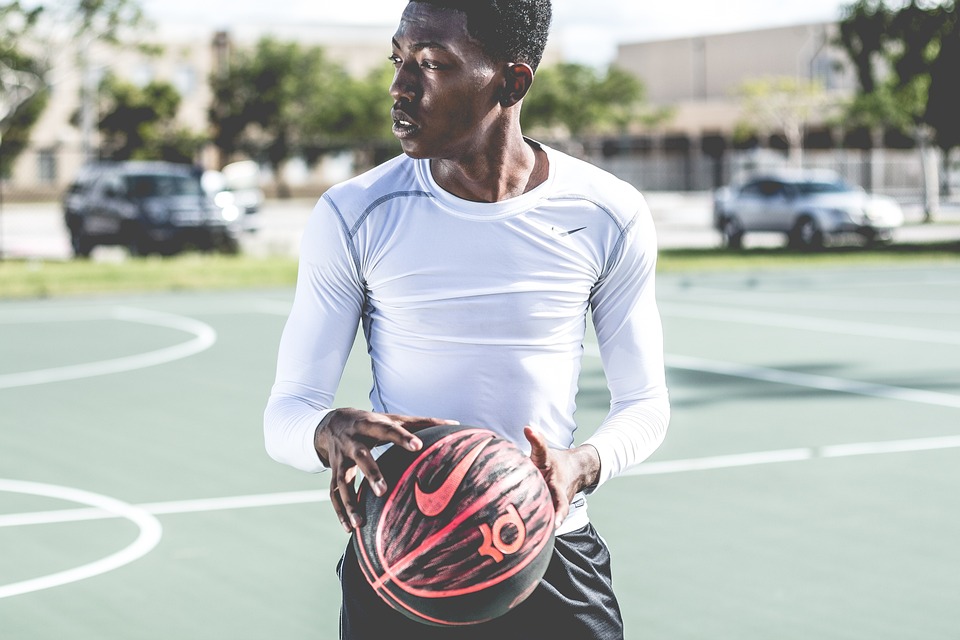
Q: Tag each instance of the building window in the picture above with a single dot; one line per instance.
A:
(47, 166)
(185, 80)
(142, 75)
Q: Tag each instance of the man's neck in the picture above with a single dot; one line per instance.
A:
(506, 170)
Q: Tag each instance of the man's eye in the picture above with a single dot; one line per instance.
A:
(428, 64)
(395, 59)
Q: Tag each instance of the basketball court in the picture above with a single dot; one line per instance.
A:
(807, 487)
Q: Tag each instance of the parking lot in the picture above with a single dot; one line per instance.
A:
(36, 230)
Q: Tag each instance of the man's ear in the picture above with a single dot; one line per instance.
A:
(519, 78)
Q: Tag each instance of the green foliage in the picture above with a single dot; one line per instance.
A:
(283, 99)
(20, 104)
(906, 57)
(16, 21)
(579, 99)
(102, 20)
(139, 123)
(22, 49)
(943, 103)
(15, 130)
(781, 103)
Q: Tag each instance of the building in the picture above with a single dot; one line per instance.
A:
(183, 55)
(696, 77)
(702, 146)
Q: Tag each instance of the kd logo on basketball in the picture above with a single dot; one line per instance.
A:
(434, 502)
(493, 543)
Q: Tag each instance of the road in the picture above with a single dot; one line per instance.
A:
(36, 230)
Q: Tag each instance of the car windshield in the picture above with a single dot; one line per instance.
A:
(149, 186)
(814, 187)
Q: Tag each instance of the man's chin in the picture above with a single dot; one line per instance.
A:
(415, 151)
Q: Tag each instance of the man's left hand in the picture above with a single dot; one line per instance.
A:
(567, 471)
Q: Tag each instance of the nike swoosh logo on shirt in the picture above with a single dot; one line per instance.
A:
(433, 502)
(571, 232)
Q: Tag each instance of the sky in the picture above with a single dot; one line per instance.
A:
(588, 29)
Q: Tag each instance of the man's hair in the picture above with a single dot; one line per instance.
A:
(508, 30)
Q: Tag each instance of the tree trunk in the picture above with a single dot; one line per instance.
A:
(931, 175)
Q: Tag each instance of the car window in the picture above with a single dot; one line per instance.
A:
(771, 188)
(815, 187)
(161, 185)
(109, 186)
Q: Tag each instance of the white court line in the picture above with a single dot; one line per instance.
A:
(204, 337)
(806, 380)
(149, 535)
(807, 323)
(203, 505)
(805, 301)
(647, 468)
(811, 381)
(795, 455)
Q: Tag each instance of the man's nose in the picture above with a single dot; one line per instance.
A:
(404, 87)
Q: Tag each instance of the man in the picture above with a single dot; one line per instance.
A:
(471, 262)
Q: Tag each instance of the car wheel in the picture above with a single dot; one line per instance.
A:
(229, 246)
(806, 234)
(732, 232)
(137, 241)
(81, 243)
(873, 238)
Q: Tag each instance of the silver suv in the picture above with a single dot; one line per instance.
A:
(148, 207)
(807, 207)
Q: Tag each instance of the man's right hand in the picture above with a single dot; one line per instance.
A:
(343, 441)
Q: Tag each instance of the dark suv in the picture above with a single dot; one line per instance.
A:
(147, 207)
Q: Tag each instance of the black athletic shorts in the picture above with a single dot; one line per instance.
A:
(574, 601)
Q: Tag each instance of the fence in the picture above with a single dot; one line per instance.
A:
(894, 172)
(42, 174)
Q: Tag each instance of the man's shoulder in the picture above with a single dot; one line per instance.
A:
(576, 178)
(397, 175)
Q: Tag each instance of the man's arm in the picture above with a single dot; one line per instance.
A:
(316, 341)
(300, 428)
(630, 337)
(631, 345)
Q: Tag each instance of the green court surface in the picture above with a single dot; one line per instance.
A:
(807, 487)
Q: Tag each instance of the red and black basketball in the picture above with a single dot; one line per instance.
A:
(464, 532)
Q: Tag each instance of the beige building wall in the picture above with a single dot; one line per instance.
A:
(696, 76)
(187, 58)
(699, 76)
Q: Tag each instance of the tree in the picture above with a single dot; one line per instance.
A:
(281, 100)
(943, 104)
(579, 99)
(784, 104)
(23, 94)
(906, 57)
(140, 123)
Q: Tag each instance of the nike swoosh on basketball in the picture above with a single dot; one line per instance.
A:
(434, 502)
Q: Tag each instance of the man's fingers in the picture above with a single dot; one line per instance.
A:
(370, 469)
(386, 430)
(412, 424)
(344, 440)
(538, 447)
(562, 509)
(337, 503)
(540, 456)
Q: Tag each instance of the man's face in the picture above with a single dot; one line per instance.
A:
(445, 87)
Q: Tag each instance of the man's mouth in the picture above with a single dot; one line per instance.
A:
(403, 125)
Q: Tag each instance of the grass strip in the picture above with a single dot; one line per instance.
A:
(24, 279)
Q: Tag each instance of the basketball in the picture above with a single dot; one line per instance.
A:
(464, 532)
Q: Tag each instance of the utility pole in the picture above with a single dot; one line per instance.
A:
(87, 106)
(17, 87)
